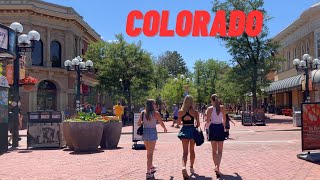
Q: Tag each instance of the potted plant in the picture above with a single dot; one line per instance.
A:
(111, 132)
(84, 132)
(28, 83)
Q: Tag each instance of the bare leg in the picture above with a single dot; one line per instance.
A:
(192, 153)
(214, 145)
(150, 149)
(185, 144)
(219, 155)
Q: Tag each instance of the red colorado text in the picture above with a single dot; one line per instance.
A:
(155, 23)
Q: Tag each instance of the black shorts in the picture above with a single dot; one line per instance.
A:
(175, 117)
(216, 132)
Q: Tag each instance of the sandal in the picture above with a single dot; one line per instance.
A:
(149, 175)
(185, 174)
(153, 169)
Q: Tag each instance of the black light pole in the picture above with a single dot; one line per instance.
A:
(306, 64)
(78, 66)
(23, 43)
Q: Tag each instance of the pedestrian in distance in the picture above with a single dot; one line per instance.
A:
(188, 116)
(149, 118)
(227, 133)
(175, 115)
(167, 115)
(216, 129)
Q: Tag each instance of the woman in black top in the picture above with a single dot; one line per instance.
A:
(187, 116)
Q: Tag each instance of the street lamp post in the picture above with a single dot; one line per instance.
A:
(78, 65)
(24, 43)
(306, 64)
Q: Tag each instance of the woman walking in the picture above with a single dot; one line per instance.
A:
(216, 123)
(187, 116)
(149, 118)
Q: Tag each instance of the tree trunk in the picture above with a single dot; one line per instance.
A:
(254, 88)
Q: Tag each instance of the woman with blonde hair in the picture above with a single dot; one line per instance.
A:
(187, 116)
(149, 118)
(216, 126)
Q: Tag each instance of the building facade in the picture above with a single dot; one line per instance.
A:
(299, 38)
(64, 35)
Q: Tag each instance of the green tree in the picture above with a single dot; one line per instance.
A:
(251, 54)
(173, 62)
(123, 68)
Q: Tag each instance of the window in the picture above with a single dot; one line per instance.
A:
(295, 53)
(307, 47)
(37, 54)
(55, 52)
(288, 59)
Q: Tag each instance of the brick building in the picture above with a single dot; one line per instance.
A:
(64, 35)
(299, 38)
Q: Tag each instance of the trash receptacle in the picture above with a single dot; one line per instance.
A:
(4, 116)
(297, 118)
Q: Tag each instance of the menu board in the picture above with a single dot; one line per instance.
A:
(247, 119)
(259, 114)
(310, 126)
(3, 38)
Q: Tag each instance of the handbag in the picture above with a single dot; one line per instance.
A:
(198, 137)
(140, 129)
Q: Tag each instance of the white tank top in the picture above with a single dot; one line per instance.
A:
(215, 118)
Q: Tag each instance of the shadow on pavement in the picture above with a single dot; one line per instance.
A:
(197, 176)
(25, 151)
(279, 121)
(231, 177)
(112, 148)
(84, 153)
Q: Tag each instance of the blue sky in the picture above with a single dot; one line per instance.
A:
(108, 17)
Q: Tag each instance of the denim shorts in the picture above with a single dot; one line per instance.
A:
(150, 134)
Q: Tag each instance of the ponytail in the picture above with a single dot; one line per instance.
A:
(215, 98)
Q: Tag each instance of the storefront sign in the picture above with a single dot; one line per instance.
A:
(45, 115)
(3, 38)
(310, 126)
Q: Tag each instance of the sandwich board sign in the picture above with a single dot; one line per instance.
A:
(135, 136)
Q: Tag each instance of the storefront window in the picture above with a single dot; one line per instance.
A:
(46, 96)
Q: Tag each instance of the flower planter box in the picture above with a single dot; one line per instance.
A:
(67, 134)
(111, 135)
(86, 136)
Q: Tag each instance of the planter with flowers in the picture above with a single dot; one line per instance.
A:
(28, 83)
(111, 132)
(83, 132)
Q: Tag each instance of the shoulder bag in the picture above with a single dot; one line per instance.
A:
(140, 129)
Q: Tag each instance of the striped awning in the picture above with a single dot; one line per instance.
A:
(285, 84)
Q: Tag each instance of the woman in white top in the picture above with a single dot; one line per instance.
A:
(216, 126)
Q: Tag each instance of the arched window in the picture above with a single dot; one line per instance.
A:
(46, 96)
(37, 54)
(307, 47)
(55, 53)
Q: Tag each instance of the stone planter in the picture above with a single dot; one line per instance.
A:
(67, 134)
(86, 136)
(111, 135)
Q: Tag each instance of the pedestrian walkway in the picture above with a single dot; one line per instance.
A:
(252, 152)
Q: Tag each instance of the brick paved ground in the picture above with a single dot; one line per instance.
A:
(253, 152)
